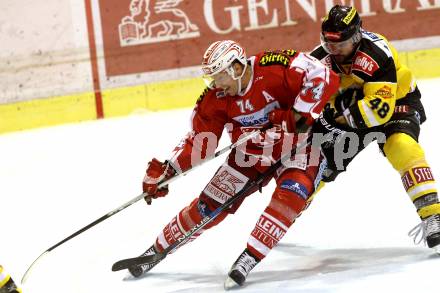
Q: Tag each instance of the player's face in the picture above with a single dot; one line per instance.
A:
(224, 81)
(339, 50)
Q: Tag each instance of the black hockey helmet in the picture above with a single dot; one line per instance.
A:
(341, 23)
(341, 30)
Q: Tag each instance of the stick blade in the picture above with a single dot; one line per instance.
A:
(28, 271)
(136, 261)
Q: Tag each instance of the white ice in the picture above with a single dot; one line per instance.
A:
(55, 181)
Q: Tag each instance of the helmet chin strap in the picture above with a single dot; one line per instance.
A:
(239, 86)
(231, 72)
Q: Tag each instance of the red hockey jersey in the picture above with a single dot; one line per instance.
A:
(280, 80)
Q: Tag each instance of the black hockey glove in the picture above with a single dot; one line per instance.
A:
(326, 128)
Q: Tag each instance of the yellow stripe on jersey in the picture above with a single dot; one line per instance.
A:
(367, 114)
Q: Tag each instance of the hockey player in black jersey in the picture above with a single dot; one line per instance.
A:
(377, 94)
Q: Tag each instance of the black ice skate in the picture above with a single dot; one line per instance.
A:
(433, 232)
(137, 271)
(429, 231)
(240, 269)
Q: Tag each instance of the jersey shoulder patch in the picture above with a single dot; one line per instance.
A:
(364, 63)
(281, 57)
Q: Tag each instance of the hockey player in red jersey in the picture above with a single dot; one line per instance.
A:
(377, 94)
(275, 92)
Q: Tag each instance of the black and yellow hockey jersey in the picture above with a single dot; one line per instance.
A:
(376, 71)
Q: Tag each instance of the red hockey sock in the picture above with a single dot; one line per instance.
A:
(183, 222)
(287, 203)
(266, 234)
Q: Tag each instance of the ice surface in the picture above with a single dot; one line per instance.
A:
(54, 181)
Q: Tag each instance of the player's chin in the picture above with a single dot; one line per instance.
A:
(229, 91)
(339, 58)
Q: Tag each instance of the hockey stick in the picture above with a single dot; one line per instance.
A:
(150, 259)
(137, 198)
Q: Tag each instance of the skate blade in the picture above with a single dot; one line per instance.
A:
(230, 284)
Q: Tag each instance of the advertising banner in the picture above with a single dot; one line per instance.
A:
(150, 35)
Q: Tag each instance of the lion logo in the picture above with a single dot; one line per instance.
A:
(226, 182)
(152, 21)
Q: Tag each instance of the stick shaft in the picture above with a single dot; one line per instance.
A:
(136, 199)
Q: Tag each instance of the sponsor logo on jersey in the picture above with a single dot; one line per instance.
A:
(365, 63)
(407, 181)
(296, 187)
(271, 58)
(423, 174)
(385, 92)
(260, 117)
(401, 109)
(258, 78)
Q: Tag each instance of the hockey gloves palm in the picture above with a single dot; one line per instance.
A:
(155, 174)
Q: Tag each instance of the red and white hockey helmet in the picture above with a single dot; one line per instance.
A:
(220, 56)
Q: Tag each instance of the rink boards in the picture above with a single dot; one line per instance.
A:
(150, 97)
